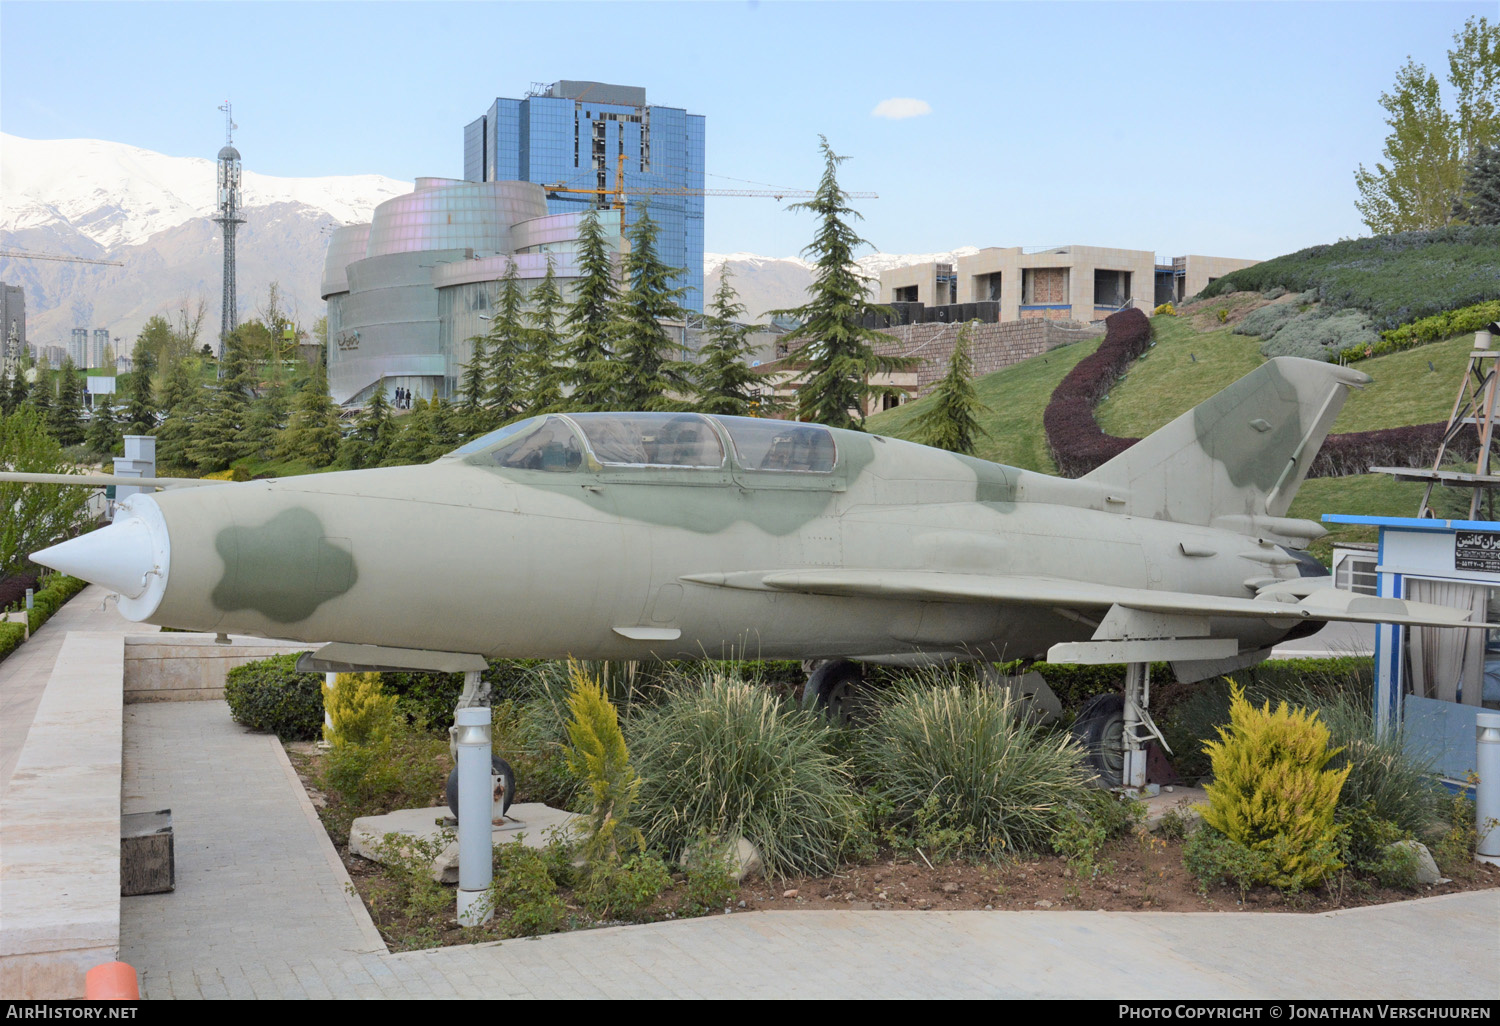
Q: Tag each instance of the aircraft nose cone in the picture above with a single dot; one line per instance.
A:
(120, 556)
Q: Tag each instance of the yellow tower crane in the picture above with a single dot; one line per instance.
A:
(618, 191)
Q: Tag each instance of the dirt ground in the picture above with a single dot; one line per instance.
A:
(1138, 873)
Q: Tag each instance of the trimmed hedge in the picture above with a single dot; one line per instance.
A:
(56, 590)
(11, 636)
(270, 695)
(1429, 329)
(1077, 442)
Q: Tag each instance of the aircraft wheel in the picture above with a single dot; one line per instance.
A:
(837, 687)
(1100, 729)
(505, 787)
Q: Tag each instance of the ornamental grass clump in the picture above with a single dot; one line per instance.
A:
(960, 763)
(724, 758)
(1273, 794)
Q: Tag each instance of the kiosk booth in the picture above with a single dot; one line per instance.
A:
(1435, 682)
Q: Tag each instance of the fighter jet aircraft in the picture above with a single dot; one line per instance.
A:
(684, 536)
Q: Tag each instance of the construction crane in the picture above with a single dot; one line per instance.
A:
(49, 256)
(618, 191)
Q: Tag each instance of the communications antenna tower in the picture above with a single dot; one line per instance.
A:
(229, 218)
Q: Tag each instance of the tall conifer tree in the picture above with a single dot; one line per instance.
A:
(839, 352)
(726, 384)
(508, 340)
(952, 421)
(590, 324)
(650, 373)
(544, 378)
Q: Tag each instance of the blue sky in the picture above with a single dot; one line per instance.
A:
(1220, 128)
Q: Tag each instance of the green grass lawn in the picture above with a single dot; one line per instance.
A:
(1184, 368)
(1016, 397)
(1405, 390)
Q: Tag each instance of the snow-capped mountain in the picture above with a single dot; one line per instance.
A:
(153, 213)
(118, 195)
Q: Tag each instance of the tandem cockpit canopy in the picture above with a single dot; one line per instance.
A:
(561, 443)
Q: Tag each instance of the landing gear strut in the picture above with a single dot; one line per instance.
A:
(837, 688)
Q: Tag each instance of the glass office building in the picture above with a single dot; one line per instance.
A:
(407, 291)
(574, 134)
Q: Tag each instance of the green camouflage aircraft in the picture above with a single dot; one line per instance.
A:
(682, 536)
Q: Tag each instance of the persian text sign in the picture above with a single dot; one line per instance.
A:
(1476, 550)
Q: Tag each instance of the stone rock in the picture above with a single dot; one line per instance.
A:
(789, 894)
(1044, 903)
(1427, 870)
(950, 888)
(530, 823)
(741, 858)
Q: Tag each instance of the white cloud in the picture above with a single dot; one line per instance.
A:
(900, 107)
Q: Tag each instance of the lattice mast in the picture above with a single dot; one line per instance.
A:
(1475, 405)
(229, 219)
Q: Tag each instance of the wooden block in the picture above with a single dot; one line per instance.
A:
(147, 865)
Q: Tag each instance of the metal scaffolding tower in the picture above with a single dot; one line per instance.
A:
(1475, 406)
(229, 219)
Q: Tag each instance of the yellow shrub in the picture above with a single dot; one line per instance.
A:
(599, 758)
(1165, 310)
(1271, 792)
(358, 709)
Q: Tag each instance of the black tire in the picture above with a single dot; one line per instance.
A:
(498, 767)
(1100, 729)
(837, 688)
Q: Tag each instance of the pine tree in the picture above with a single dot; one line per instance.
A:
(590, 324)
(840, 351)
(473, 386)
(182, 401)
(13, 392)
(104, 429)
(66, 422)
(543, 378)
(444, 427)
(508, 340)
(222, 437)
(369, 443)
(649, 375)
(726, 384)
(265, 421)
(416, 436)
(1480, 200)
(312, 434)
(140, 414)
(952, 421)
(39, 397)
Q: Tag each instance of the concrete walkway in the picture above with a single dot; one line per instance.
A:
(261, 911)
(25, 672)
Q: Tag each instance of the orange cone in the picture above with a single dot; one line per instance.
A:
(112, 981)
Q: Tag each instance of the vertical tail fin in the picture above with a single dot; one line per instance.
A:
(1243, 452)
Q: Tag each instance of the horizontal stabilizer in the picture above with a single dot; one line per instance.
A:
(933, 586)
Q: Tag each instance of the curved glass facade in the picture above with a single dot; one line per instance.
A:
(406, 292)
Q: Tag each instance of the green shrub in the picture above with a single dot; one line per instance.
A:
(407, 769)
(55, 591)
(710, 884)
(1395, 279)
(961, 758)
(723, 758)
(1386, 782)
(1272, 793)
(409, 890)
(11, 636)
(1437, 327)
(359, 711)
(1212, 858)
(1454, 851)
(1322, 333)
(1267, 320)
(628, 889)
(524, 893)
(270, 695)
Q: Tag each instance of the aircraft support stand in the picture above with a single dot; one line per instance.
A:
(475, 803)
